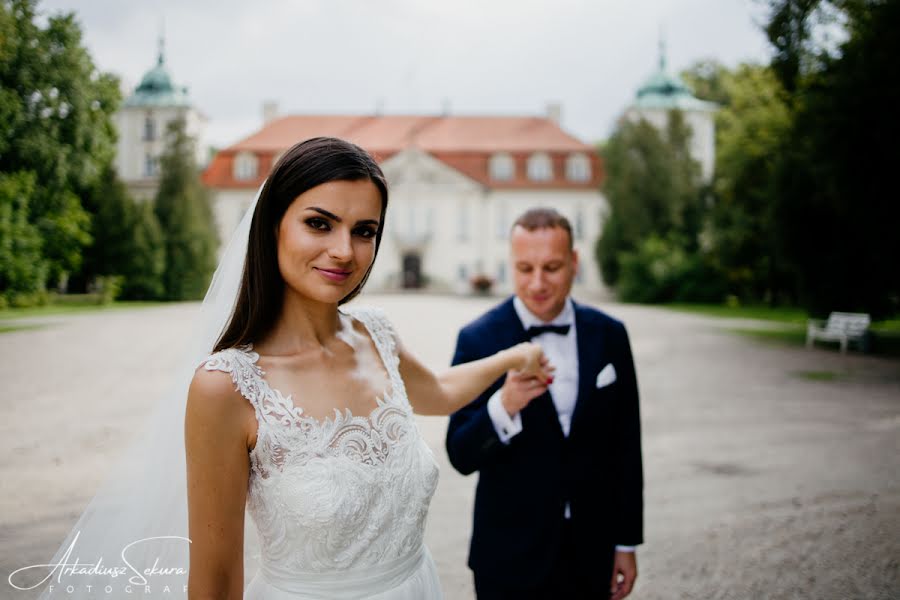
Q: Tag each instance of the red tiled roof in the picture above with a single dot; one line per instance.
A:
(462, 142)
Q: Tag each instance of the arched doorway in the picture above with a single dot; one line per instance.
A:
(412, 271)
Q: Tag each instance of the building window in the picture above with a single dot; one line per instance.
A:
(502, 167)
(578, 168)
(501, 222)
(579, 225)
(245, 165)
(149, 129)
(540, 168)
(149, 166)
(463, 272)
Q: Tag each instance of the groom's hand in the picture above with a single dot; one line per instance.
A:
(518, 390)
(624, 574)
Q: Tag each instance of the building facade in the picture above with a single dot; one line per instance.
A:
(142, 121)
(457, 183)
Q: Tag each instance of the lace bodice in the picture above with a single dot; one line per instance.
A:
(341, 493)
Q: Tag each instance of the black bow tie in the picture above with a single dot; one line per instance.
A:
(535, 330)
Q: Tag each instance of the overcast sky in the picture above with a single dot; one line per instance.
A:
(413, 56)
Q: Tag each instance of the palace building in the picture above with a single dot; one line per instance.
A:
(456, 185)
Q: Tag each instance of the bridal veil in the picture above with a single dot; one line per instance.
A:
(133, 536)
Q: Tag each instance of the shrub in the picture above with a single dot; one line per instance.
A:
(661, 271)
(108, 288)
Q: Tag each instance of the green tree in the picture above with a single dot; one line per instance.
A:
(653, 187)
(707, 79)
(835, 183)
(128, 241)
(55, 111)
(144, 278)
(789, 30)
(22, 268)
(185, 214)
(751, 125)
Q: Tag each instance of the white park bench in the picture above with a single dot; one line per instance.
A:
(840, 327)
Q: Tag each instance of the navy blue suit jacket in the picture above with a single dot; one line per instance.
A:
(523, 486)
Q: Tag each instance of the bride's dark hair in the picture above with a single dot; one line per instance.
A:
(303, 167)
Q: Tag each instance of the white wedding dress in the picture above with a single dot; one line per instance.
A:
(340, 504)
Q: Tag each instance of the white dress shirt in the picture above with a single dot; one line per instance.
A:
(562, 351)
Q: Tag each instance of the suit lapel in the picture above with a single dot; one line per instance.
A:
(589, 345)
(508, 328)
(541, 411)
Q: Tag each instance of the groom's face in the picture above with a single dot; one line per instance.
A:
(544, 266)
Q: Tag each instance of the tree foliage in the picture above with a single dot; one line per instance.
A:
(185, 215)
(655, 190)
(741, 231)
(55, 110)
(128, 241)
(22, 268)
(802, 206)
(835, 184)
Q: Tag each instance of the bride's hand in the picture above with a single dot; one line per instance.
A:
(533, 363)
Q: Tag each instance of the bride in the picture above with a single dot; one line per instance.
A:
(302, 417)
(304, 412)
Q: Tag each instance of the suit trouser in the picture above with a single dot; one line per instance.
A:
(571, 576)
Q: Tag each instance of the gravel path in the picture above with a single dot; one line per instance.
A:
(762, 480)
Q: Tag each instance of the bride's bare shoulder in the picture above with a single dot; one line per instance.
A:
(212, 385)
(220, 383)
(217, 375)
(216, 410)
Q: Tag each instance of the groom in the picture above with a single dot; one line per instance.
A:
(559, 503)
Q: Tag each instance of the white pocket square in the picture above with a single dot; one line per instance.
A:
(606, 376)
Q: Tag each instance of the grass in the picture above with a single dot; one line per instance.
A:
(765, 313)
(795, 336)
(69, 304)
(11, 328)
(789, 326)
(818, 375)
(890, 326)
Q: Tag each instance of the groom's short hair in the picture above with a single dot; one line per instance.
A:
(543, 218)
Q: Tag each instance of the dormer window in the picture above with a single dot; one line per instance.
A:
(245, 166)
(578, 168)
(502, 167)
(540, 167)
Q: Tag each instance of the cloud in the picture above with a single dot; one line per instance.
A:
(494, 56)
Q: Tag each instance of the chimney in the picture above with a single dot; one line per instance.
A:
(554, 112)
(269, 111)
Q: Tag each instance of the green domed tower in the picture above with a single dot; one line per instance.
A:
(156, 88)
(142, 122)
(662, 93)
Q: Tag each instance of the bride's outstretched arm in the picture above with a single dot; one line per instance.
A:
(447, 392)
(218, 468)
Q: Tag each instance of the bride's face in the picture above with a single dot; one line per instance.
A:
(326, 239)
